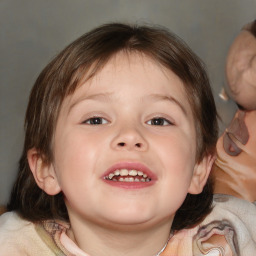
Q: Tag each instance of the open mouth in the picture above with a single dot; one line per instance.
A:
(125, 175)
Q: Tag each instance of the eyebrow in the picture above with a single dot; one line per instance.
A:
(98, 96)
(108, 96)
(160, 97)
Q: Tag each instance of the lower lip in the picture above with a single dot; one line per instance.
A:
(130, 185)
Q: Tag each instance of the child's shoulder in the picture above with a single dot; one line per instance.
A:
(12, 225)
(19, 237)
(11, 220)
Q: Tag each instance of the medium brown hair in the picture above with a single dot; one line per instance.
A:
(86, 56)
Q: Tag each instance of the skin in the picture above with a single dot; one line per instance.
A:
(119, 220)
(241, 70)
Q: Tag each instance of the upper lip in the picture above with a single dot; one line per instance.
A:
(130, 166)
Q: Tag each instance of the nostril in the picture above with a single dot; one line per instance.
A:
(123, 144)
(138, 145)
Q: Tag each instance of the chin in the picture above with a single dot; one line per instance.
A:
(127, 217)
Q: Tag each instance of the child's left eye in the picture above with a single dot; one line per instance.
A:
(95, 121)
(160, 121)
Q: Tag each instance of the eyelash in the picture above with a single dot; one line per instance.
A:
(96, 120)
(159, 121)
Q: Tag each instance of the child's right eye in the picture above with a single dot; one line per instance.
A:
(95, 121)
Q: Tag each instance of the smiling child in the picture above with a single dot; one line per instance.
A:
(120, 139)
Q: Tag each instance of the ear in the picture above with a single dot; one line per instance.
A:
(44, 174)
(200, 175)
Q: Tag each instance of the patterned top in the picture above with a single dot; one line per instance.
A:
(228, 231)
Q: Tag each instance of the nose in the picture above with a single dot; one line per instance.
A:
(129, 138)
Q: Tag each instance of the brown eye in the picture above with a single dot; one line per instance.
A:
(95, 121)
(159, 121)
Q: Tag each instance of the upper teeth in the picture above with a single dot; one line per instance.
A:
(126, 172)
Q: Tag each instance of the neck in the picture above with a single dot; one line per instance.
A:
(99, 240)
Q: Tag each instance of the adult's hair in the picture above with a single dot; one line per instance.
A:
(84, 58)
(251, 27)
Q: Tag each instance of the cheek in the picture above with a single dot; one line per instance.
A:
(178, 161)
(178, 149)
(74, 157)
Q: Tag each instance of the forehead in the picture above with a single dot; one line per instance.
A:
(243, 46)
(135, 81)
(132, 75)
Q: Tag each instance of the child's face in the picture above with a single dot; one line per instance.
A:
(241, 70)
(133, 115)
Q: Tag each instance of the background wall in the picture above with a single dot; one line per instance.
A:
(33, 31)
